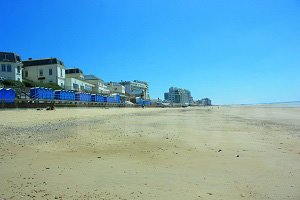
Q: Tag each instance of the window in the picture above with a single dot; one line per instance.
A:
(18, 58)
(19, 79)
(75, 86)
(3, 68)
(18, 69)
(26, 73)
(41, 72)
(8, 67)
(61, 73)
(50, 72)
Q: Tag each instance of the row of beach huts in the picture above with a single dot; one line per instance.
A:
(8, 95)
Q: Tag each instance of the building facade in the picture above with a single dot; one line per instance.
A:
(116, 88)
(136, 88)
(78, 85)
(75, 81)
(11, 66)
(178, 95)
(204, 102)
(47, 70)
(99, 86)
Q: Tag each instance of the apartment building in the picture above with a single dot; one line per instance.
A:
(11, 66)
(178, 95)
(136, 88)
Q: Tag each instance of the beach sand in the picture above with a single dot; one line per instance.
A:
(246, 152)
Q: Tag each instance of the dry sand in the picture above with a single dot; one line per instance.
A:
(153, 153)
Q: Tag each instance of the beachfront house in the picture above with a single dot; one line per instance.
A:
(99, 86)
(11, 66)
(75, 81)
(45, 70)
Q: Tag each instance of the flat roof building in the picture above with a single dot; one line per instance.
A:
(136, 88)
(178, 95)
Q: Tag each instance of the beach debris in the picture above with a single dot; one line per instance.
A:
(47, 168)
(99, 157)
(209, 193)
(237, 155)
(219, 150)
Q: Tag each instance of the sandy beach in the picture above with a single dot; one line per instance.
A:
(250, 152)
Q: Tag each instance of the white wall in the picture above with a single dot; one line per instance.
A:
(13, 75)
(58, 74)
(117, 89)
(69, 84)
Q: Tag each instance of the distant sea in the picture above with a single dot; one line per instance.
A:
(275, 104)
(280, 104)
(283, 104)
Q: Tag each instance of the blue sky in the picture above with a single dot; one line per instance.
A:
(231, 51)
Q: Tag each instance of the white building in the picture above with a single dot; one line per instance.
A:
(136, 88)
(99, 86)
(11, 66)
(75, 81)
(47, 70)
(178, 95)
(116, 88)
(78, 85)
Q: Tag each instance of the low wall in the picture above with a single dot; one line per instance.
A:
(44, 104)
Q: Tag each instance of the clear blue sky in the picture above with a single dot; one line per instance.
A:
(233, 51)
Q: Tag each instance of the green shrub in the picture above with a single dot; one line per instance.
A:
(29, 83)
(50, 85)
(13, 83)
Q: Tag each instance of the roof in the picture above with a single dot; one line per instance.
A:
(113, 84)
(92, 77)
(9, 57)
(43, 61)
(73, 71)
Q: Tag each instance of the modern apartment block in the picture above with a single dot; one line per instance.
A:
(136, 88)
(178, 95)
(99, 86)
(11, 66)
(204, 102)
(46, 70)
